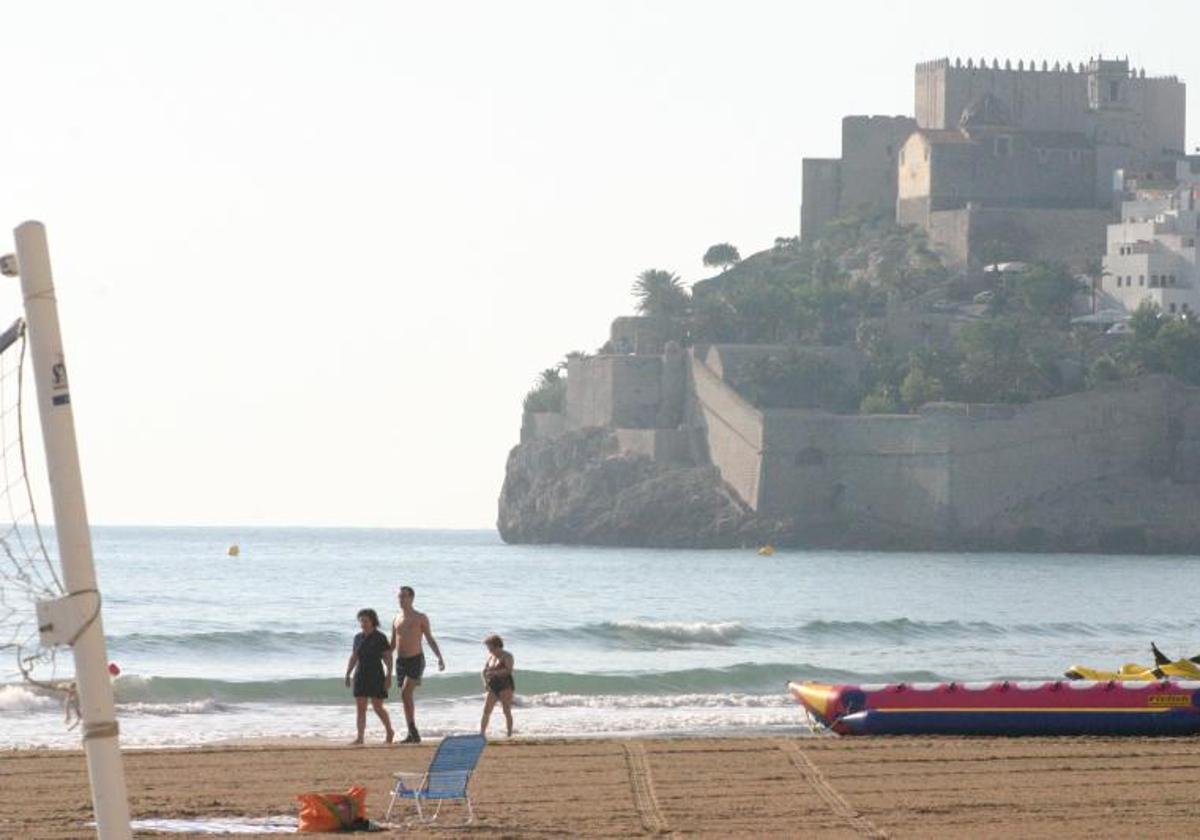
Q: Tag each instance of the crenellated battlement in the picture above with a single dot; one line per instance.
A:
(1092, 65)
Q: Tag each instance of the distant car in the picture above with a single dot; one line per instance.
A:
(1119, 328)
(1005, 268)
(984, 297)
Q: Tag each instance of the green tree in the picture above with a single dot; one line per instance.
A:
(660, 294)
(722, 255)
(1104, 369)
(999, 363)
(919, 388)
(549, 391)
(1046, 291)
(797, 379)
(1178, 346)
(1146, 321)
(880, 400)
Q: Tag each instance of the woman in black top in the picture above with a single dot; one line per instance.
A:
(498, 679)
(371, 651)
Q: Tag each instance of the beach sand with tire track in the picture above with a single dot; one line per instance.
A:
(762, 786)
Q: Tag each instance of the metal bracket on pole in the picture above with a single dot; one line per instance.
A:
(62, 620)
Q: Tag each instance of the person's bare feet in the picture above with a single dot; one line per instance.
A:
(391, 735)
(357, 742)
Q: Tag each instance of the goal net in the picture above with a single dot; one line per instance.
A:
(27, 574)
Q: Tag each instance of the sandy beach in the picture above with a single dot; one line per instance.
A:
(761, 786)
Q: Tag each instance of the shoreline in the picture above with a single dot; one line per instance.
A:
(721, 786)
(304, 742)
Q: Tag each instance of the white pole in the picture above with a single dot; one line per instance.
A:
(93, 684)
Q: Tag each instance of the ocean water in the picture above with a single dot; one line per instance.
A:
(606, 641)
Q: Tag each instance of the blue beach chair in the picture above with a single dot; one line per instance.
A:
(447, 777)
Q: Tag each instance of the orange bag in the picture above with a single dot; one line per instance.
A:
(332, 811)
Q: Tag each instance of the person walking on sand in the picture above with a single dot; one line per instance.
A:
(370, 675)
(407, 629)
(498, 680)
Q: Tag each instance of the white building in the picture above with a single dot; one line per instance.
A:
(1151, 253)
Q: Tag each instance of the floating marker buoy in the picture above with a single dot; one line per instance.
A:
(114, 669)
(766, 551)
(234, 551)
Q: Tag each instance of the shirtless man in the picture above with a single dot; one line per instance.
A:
(407, 629)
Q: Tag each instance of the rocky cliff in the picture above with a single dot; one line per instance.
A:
(579, 488)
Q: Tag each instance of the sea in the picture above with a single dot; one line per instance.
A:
(607, 641)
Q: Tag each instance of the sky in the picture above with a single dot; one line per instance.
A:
(310, 256)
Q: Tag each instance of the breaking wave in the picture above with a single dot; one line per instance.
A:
(226, 641)
(742, 679)
(15, 699)
(894, 631)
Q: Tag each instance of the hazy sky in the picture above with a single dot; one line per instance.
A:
(310, 256)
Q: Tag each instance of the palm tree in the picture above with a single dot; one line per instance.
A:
(660, 294)
(549, 377)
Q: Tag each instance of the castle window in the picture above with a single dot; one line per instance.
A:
(1114, 90)
(1074, 155)
(1141, 280)
(1172, 309)
(1153, 281)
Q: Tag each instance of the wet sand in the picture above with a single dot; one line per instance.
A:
(759, 786)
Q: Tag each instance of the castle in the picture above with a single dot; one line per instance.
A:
(1019, 162)
(655, 445)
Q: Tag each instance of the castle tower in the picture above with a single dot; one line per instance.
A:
(1133, 121)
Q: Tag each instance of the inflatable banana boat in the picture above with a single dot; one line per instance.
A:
(1060, 707)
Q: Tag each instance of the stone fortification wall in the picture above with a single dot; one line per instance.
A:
(964, 236)
(870, 147)
(1146, 113)
(1184, 431)
(732, 428)
(952, 471)
(627, 391)
(614, 391)
(1042, 100)
(1053, 444)
(821, 469)
(863, 179)
(955, 468)
(820, 195)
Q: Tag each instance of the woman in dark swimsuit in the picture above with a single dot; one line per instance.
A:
(371, 650)
(498, 679)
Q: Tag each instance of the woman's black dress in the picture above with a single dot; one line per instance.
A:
(368, 676)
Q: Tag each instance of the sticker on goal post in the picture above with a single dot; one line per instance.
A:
(61, 620)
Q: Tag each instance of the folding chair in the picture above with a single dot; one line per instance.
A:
(447, 777)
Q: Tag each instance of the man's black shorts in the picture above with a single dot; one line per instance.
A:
(410, 668)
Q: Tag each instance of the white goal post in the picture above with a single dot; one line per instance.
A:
(73, 619)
